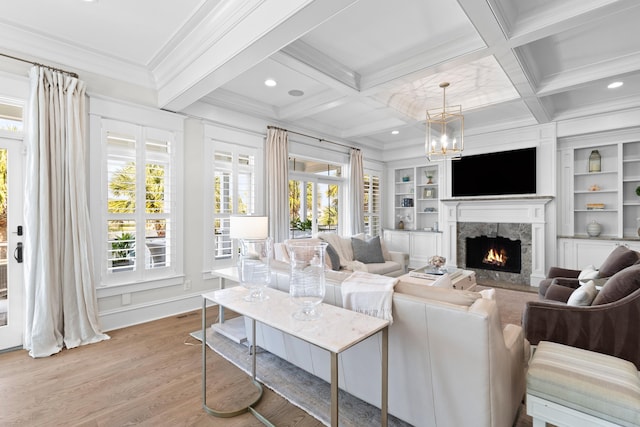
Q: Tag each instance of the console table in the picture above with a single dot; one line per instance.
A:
(230, 328)
(339, 330)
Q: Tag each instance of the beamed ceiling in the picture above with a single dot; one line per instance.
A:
(365, 68)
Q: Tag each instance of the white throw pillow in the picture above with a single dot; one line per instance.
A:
(584, 295)
(443, 281)
(588, 273)
(488, 293)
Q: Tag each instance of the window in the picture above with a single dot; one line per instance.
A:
(11, 116)
(234, 192)
(314, 197)
(139, 213)
(371, 208)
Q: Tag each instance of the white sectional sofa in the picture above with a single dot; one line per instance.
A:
(395, 263)
(451, 363)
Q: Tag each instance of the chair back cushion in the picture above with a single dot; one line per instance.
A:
(620, 285)
(620, 258)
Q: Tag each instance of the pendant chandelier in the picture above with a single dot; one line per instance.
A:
(445, 130)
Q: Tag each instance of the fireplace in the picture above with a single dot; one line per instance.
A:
(494, 253)
(523, 218)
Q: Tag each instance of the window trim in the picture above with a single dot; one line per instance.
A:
(113, 115)
(210, 147)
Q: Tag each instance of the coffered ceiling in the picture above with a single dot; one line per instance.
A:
(348, 69)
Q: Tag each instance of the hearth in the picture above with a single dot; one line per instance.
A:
(510, 261)
(494, 253)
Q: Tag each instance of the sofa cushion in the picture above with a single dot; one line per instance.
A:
(584, 295)
(382, 267)
(334, 258)
(367, 251)
(620, 285)
(451, 296)
(620, 258)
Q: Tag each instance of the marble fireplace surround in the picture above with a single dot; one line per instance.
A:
(499, 210)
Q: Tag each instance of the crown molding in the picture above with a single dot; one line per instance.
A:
(55, 52)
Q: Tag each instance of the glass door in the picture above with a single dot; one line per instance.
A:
(313, 207)
(11, 237)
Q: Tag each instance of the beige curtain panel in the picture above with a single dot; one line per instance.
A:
(61, 304)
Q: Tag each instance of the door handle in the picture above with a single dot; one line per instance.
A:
(17, 254)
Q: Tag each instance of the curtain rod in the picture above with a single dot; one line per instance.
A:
(40, 65)
(313, 137)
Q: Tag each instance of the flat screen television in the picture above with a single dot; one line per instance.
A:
(495, 174)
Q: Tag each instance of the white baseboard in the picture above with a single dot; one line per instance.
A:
(123, 317)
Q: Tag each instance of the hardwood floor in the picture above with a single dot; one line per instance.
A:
(148, 374)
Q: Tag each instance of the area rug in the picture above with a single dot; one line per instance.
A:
(302, 389)
(511, 304)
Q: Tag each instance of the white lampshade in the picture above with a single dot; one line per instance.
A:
(249, 227)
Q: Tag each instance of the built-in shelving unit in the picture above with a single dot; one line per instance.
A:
(608, 196)
(416, 197)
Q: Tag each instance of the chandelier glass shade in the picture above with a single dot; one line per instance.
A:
(445, 130)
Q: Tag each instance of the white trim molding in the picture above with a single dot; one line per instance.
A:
(520, 209)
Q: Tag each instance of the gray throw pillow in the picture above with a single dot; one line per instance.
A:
(334, 258)
(367, 251)
(620, 258)
(620, 285)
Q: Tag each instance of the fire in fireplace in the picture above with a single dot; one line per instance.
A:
(494, 253)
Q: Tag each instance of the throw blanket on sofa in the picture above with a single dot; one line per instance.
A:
(370, 294)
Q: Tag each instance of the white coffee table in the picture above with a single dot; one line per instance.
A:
(340, 329)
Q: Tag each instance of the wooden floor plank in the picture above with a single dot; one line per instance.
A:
(147, 374)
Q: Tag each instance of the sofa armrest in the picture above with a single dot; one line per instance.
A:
(401, 258)
(561, 289)
(562, 272)
(602, 328)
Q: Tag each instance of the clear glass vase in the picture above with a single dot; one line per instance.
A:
(307, 282)
(254, 267)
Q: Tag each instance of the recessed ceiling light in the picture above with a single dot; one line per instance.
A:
(395, 132)
(270, 82)
(615, 85)
(296, 92)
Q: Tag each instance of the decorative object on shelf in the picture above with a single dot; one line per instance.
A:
(594, 229)
(405, 178)
(445, 130)
(401, 225)
(254, 269)
(307, 283)
(407, 202)
(595, 161)
(427, 193)
(429, 177)
(638, 190)
(638, 223)
(594, 187)
(595, 206)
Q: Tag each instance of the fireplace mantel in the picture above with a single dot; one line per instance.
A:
(517, 209)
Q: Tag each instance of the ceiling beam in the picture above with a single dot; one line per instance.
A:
(253, 30)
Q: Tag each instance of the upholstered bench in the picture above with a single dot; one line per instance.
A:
(571, 386)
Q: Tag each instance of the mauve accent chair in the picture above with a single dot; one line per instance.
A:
(610, 325)
(620, 258)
